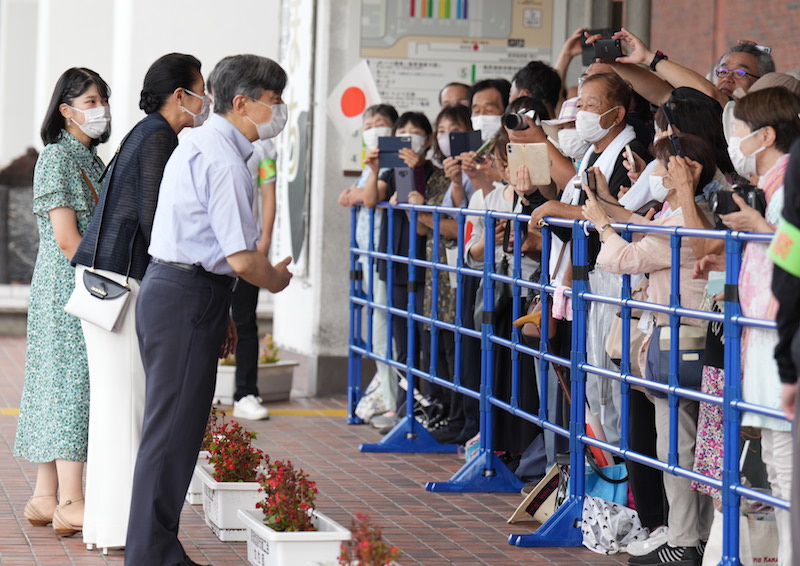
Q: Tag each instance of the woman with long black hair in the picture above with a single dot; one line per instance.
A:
(115, 244)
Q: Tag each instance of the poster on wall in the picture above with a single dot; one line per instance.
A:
(290, 233)
(415, 47)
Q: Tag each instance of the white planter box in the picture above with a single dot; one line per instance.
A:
(194, 495)
(274, 382)
(222, 500)
(266, 547)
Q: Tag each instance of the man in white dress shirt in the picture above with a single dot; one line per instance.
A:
(204, 238)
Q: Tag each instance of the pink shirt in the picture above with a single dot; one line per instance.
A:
(651, 253)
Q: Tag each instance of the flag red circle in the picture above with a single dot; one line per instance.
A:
(354, 102)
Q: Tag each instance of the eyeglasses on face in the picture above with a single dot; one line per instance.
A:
(737, 73)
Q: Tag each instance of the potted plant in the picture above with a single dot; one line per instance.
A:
(367, 547)
(230, 480)
(284, 527)
(274, 375)
(216, 418)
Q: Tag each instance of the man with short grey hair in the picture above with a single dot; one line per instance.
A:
(204, 238)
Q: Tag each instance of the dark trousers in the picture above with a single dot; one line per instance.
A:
(470, 361)
(400, 335)
(243, 308)
(445, 366)
(181, 320)
(647, 485)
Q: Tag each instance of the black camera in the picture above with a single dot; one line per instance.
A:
(516, 120)
(721, 201)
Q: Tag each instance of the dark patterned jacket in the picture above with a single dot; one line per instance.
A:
(128, 200)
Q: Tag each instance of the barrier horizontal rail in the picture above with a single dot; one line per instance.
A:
(486, 472)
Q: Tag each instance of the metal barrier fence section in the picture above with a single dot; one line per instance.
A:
(486, 472)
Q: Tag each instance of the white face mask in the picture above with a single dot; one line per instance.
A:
(488, 125)
(418, 143)
(657, 188)
(571, 143)
(745, 165)
(444, 144)
(202, 116)
(96, 121)
(271, 128)
(588, 125)
(371, 136)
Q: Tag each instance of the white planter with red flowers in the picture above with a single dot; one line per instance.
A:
(222, 501)
(267, 547)
(194, 495)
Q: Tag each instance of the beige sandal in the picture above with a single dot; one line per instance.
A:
(34, 515)
(61, 526)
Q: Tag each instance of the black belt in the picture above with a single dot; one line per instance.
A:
(225, 280)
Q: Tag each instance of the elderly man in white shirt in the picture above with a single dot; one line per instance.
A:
(204, 237)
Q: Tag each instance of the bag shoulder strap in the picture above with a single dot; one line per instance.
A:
(89, 182)
(596, 469)
(103, 213)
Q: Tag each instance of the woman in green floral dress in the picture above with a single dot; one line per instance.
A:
(54, 411)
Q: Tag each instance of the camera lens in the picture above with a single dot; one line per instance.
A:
(713, 201)
(515, 122)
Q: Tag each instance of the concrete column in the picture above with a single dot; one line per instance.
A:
(637, 16)
(70, 34)
(311, 316)
(18, 45)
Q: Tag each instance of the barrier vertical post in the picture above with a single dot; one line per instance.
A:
(544, 340)
(732, 391)
(408, 435)
(485, 472)
(625, 363)
(674, 323)
(459, 318)
(355, 311)
(563, 527)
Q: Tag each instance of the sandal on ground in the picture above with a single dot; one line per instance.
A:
(61, 526)
(35, 515)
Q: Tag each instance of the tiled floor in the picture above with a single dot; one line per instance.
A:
(429, 528)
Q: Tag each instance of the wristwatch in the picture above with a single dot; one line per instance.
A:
(658, 57)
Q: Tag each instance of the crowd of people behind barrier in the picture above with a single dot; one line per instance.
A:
(645, 141)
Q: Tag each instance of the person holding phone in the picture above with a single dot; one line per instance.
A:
(488, 100)
(738, 68)
(451, 119)
(378, 121)
(767, 123)
(512, 434)
(603, 102)
(690, 512)
(381, 186)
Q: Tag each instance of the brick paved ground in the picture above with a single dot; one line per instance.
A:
(431, 529)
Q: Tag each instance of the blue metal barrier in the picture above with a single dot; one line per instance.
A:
(486, 472)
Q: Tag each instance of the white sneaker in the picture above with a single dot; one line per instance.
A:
(250, 409)
(641, 547)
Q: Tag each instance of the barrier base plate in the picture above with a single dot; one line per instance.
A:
(485, 473)
(563, 528)
(411, 437)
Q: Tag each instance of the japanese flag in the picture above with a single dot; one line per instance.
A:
(354, 93)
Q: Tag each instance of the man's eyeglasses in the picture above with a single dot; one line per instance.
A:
(737, 73)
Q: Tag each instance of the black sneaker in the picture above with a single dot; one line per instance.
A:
(667, 555)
